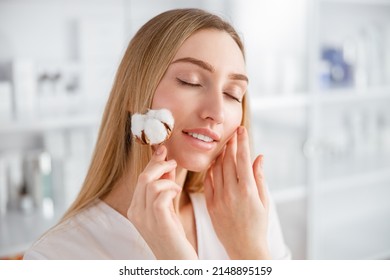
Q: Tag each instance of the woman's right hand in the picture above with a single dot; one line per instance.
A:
(152, 212)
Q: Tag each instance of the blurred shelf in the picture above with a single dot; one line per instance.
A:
(353, 95)
(288, 194)
(322, 97)
(354, 181)
(41, 125)
(19, 230)
(365, 2)
(371, 232)
(279, 102)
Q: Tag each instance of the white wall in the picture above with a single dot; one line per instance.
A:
(274, 32)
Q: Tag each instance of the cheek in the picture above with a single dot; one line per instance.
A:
(160, 100)
(233, 118)
(166, 96)
(175, 102)
(162, 97)
(232, 122)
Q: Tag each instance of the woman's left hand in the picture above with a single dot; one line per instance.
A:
(237, 200)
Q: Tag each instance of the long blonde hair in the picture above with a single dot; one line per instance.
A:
(145, 61)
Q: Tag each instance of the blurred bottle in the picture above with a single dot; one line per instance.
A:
(25, 86)
(37, 174)
(387, 54)
(3, 188)
(335, 71)
(370, 56)
(5, 101)
(14, 161)
(26, 204)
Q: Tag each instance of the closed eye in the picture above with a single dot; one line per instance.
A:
(232, 97)
(181, 82)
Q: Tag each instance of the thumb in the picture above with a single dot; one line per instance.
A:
(160, 153)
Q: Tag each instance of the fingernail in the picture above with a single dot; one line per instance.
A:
(172, 162)
(240, 130)
(159, 150)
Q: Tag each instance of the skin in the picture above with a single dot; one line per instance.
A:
(203, 88)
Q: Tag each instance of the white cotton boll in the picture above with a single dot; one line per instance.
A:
(165, 116)
(155, 131)
(154, 126)
(151, 113)
(137, 124)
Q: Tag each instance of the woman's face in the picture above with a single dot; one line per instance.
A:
(203, 87)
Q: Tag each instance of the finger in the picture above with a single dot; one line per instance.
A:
(208, 188)
(259, 178)
(244, 166)
(163, 207)
(155, 169)
(217, 173)
(149, 176)
(171, 175)
(157, 166)
(229, 162)
(155, 188)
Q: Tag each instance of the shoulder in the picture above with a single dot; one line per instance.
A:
(61, 240)
(97, 232)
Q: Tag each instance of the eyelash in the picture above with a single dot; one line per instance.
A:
(181, 82)
(232, 97)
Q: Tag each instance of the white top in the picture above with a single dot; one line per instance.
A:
(100, 232)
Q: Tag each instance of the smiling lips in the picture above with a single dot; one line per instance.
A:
(203, 134)
(201, 137)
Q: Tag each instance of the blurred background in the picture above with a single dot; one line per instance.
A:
(320, 94)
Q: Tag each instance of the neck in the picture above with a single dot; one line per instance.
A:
(182, 198)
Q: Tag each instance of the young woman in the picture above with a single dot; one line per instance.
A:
(197, 195)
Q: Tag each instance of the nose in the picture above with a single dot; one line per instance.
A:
(213, 107)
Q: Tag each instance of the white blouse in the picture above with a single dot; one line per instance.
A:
(100, 232)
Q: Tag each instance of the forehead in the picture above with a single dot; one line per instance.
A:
(215, 47)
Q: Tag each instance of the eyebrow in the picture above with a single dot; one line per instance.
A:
(239, 77)
(209, 67)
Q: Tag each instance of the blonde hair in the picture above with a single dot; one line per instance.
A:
(145, 61)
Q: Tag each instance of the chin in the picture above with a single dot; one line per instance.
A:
(193, 164)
